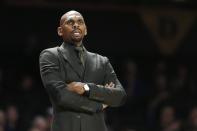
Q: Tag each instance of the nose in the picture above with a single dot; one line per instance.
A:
(76, 25)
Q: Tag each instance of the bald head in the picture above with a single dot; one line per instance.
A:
(72, 27)
(69, 14)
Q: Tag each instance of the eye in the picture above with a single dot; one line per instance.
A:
(69, 22)
(80, 22)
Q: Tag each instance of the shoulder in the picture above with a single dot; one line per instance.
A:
(50, 50)
(99, 57)
(49, 53)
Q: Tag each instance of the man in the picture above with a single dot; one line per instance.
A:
(80, 84)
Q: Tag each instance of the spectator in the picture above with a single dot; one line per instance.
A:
(34, 129)
(191, 124)
(28, 101)
(2, 119)
(134, 86)
(40, 123)
(2, 90)
(168, 120)
(1, 128)
(180, 91)
(128, 129)
(12, 118)
(159, 96)
(136, 97)
(180, 81)
(49, 117)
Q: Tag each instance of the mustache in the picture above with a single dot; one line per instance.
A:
(77, 29)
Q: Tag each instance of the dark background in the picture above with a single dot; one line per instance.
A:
(161, 88)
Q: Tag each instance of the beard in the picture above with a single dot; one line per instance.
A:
(76, 39)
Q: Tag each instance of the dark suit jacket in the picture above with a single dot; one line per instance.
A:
(73, 112)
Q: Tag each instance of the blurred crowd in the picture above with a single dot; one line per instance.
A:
(24, 104)
(161, 97)
(161, 94)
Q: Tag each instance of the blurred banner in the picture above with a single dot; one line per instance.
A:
(167, 26)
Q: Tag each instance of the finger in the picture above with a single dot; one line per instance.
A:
(68, 85)
(111, 84)
(106, 85)
(105, 105)
(71, 84)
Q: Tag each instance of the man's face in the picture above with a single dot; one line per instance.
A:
(72, 27)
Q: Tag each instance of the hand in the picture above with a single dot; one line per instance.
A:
(104, 106)
(111, 84)
(77, 87)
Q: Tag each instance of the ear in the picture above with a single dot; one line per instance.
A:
(59, 31)
(86, 31)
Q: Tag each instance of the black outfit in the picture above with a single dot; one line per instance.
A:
(74, 112)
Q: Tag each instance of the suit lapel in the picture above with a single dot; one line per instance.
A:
(72, 59)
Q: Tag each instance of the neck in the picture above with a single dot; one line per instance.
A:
(77, 43)
(74, 43)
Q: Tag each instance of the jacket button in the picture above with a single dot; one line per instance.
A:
(78, 116)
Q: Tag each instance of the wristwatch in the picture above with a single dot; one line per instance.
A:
(87, 90)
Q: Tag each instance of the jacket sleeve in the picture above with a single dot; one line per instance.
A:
(111, 96)
(56, 86)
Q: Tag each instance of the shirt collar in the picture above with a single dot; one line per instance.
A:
(72, 47)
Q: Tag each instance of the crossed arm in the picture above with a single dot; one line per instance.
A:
(70, 95)
(78, 87)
